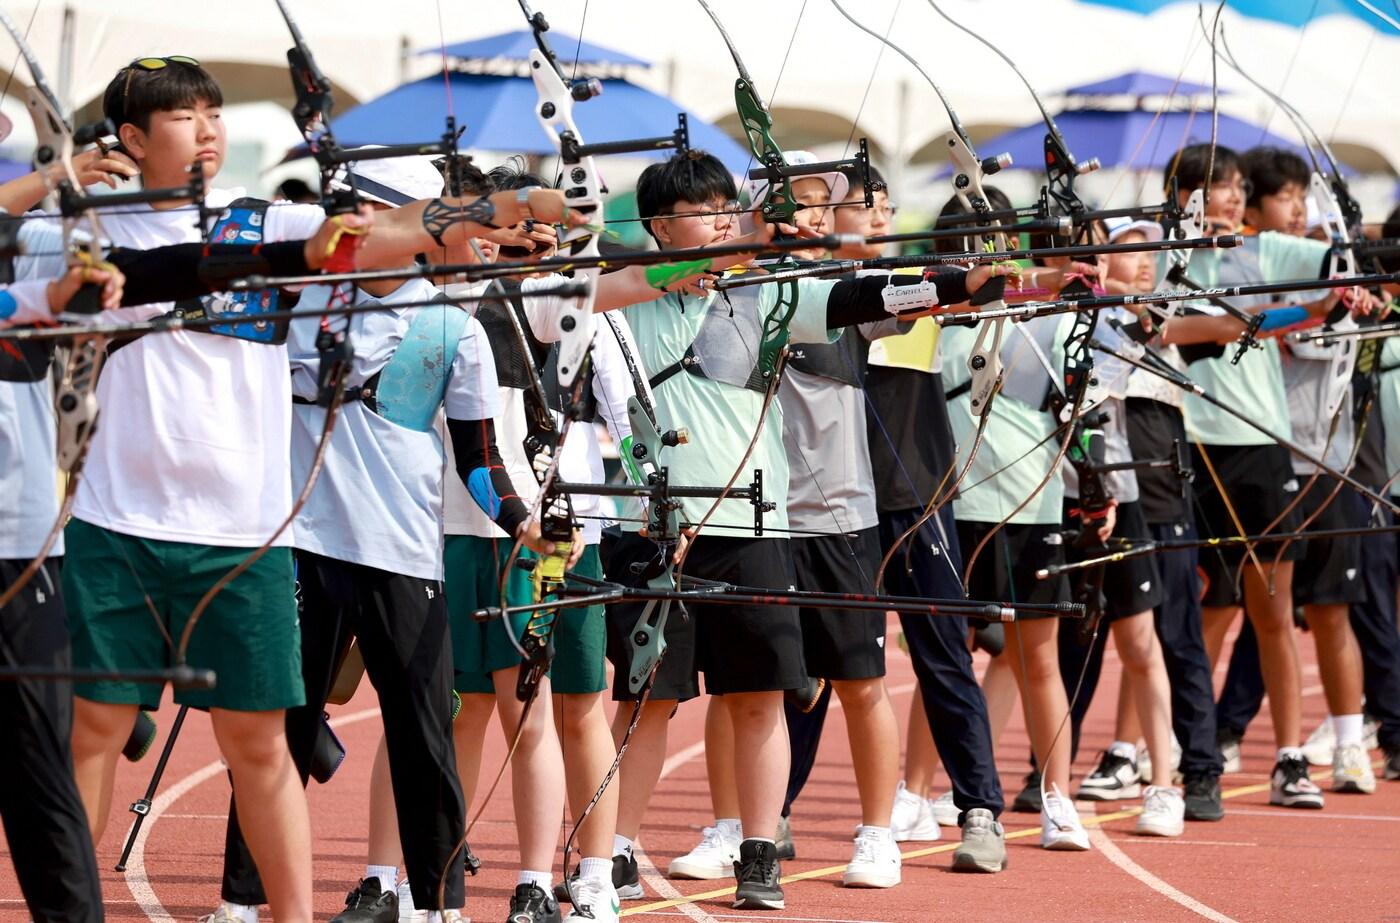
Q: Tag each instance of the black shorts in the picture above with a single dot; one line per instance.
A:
(1132, 585)
(841, 643)
(1260, 485)
(744, 648)
(1005, 570)
(1329, 572)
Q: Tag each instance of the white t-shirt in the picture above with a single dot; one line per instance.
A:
(195, 430)
(581, 460)
(28, 438)
(378, 499)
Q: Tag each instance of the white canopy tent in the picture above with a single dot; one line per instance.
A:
(818, 75)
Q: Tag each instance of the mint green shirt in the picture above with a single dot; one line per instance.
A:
(1255, 386)
(1009, 465)
(721, 417)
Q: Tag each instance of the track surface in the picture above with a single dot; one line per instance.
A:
(1260, 863)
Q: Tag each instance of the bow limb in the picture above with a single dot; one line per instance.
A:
(75, 404)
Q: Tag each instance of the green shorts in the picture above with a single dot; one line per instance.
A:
(479, 649)
(116, 587)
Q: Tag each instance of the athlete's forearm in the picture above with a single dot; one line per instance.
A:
(190, 270)
(480, 466)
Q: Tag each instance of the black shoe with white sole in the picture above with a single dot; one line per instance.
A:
(758, 871)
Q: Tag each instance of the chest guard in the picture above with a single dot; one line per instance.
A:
(242, 222)
(728, 345)
(843, 362)
(410, 389)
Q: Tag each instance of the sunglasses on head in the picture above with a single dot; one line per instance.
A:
(154, 64)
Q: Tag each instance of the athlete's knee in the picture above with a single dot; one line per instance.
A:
(860, 695)
(100, 726)
(251, 740)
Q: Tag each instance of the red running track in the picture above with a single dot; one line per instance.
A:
(1260, 863)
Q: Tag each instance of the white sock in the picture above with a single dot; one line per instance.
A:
(388, 875)
(1124, 749)
(883, 832)
(244, 912)
(597, 869)
(730, 828)
(622, 846)
(1285, 753)
(1347, 728)
(542, 880)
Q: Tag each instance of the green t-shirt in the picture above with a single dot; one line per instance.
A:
(1009, 465)
(721, 417)
(1254, 386)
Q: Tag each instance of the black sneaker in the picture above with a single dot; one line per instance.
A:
(1392, 764)
(529, 904)
(758, 871)
(366, 903)
(1028, 799)
(1290, 786)
(1115, 778)
(627, 881)
(1203, 800)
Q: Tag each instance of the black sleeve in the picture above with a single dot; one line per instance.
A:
(189, 270)
(474, 445)
(857, 299)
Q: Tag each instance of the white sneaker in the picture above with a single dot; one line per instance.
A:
(596, 900)
(1321, 742)
(1369, 729)
(1351, 770)
(713, 858)
(945, 811)
(408, 913)
(1059, 823)
(226, 914)
(912, 817)
(876, 861)
(1229, 754)
(1163, 812)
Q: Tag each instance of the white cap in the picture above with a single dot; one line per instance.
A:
(1117, 227)
(393, 180)
(836, 183)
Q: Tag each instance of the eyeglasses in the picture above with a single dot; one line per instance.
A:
(711, 213)
(154, 64)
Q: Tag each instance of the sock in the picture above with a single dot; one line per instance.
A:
(1347, 728)
(388, 875)
(542, 880)
(244, 912)
(1290, 753)
(883, 832)
(1124, 749)
(596, 869)
(730, 828)
(622, 846)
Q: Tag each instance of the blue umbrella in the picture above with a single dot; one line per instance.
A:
(517, 47)
(1378, 14)
(498, 113)
(1116, 137)
(1140, 83)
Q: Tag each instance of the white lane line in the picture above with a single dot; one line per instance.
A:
(648, 872)
(1167, 841)
(223, 816)
(1104, 844)
(136, 880)
(1317, 815)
